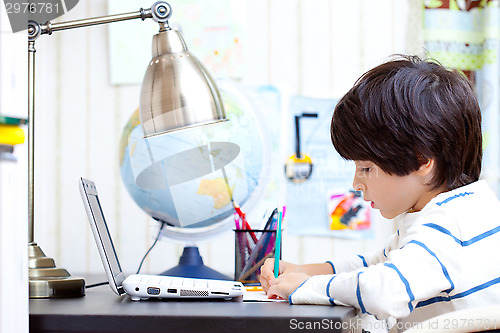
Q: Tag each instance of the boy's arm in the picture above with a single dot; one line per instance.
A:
(318, 269)
(292, 276)
(411, 274)
(347, 264)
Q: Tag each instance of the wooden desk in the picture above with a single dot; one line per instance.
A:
(103, 311)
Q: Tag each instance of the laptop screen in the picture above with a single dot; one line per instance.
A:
(101, 233)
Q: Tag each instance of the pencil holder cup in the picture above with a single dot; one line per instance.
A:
(251, 249)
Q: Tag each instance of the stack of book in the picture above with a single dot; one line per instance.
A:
(11, 134)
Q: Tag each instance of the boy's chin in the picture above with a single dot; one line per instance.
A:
(388, 215)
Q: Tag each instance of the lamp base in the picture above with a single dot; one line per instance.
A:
(48, 281)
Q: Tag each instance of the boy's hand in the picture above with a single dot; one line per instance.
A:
(267, 271)
(285, 284)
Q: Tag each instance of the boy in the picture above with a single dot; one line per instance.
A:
(413, 129)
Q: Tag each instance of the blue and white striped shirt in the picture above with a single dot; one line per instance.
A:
(443, 258)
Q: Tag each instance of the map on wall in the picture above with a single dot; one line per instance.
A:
(212, 31)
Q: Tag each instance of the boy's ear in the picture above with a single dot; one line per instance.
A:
(426, 168)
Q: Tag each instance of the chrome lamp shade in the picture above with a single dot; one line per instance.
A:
(177, 91)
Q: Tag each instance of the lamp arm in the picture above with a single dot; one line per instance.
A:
(159, 12)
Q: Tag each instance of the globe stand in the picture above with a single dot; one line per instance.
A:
(191, 265)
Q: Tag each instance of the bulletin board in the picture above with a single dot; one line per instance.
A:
(308, 202)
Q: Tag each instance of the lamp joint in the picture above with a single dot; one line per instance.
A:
(161, 11)
(34, 30)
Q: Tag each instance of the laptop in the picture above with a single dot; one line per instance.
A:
(142, 286)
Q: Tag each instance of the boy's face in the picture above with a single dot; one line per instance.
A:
(392, 194)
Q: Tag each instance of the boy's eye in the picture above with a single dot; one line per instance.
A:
(365, 169)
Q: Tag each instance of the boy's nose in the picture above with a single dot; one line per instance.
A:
(358, 186)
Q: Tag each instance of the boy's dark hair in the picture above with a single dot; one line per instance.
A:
(406, 111)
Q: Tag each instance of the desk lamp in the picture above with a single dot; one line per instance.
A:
(177, 93)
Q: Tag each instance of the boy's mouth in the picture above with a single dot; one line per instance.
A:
(372, 204)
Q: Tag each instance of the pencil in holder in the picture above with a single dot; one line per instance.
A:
(250, 255)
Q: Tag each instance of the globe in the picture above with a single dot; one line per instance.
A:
(189, 178)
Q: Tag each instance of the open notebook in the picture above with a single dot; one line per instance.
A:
(141, 286)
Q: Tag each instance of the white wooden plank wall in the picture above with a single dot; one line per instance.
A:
(315, 48)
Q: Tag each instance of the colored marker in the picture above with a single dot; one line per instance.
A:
(244, 223)
(278, 246)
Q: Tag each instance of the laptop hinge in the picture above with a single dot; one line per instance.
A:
(120, 290)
